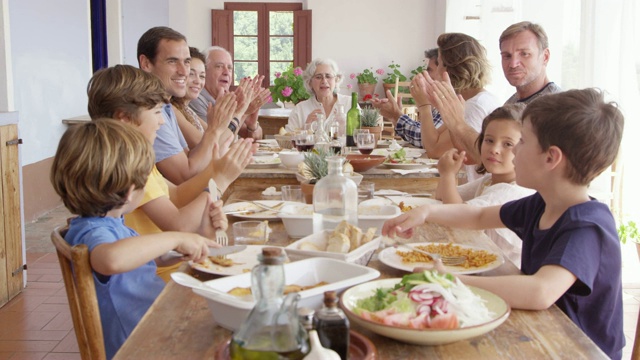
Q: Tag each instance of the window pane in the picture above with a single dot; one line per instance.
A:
(245, 22)
(245, 48)
(281, 48)
(280, 23)
(278, 67)
(244, 69)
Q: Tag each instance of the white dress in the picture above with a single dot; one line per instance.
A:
(481, 193)
(475, 110)
(299, 114)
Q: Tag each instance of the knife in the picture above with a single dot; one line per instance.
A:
(225, 250)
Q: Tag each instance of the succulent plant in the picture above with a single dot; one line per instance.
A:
(369, 117)
(314, 166)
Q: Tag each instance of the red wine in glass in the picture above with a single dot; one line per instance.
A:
(304, 147)
(365, 151)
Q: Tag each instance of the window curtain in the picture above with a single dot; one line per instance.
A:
(611, 61)
(99, 34)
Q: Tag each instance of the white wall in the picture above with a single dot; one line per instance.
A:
(358, 34)
(51, 62)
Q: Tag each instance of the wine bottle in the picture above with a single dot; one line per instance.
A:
(353, 119)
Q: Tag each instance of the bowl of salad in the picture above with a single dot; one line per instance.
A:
(424, 308)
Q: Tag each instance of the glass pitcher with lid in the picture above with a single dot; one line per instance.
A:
(272, 329)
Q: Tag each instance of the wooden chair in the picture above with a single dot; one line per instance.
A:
(401, 91)
(635, 354)
(81, 292)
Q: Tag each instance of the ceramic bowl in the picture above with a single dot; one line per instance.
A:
(362, 163)
(229, 311)
(291, 159)
(494, 303)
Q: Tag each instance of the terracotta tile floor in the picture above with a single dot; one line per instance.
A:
(37, 324)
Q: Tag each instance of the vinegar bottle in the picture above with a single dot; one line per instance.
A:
(332, 326)
(353, 119)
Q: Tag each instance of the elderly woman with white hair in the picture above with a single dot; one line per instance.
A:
(321, 79)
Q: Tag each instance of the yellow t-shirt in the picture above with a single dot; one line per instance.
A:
(155, 187)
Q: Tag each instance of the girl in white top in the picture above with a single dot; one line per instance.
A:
(321, 79)
(501, 131)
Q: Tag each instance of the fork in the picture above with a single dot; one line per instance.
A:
(221, 236)
(446, 260)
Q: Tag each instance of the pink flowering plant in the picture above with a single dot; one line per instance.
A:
(289, 86)
(367, 76)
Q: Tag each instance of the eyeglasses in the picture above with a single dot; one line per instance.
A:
(319, 77)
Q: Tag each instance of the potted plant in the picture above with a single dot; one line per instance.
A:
(628, 230)
(313, 168)
(389, 83)
(370, 119)
(288, 87)
(367, 82)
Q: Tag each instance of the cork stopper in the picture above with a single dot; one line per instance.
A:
(271, 256)
(330, 299)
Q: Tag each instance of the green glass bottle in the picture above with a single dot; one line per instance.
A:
(353, 119)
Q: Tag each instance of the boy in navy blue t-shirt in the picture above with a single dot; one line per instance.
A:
(571, 251)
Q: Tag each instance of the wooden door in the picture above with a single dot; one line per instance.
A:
(11, 274)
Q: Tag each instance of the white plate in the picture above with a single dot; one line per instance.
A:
(405, 166)
(386, 143)
(389, 192)
(495, 304)
(267, 215)
(263, 165)
(407, 200)
(244, 261)
(263, 153)
(389, 257)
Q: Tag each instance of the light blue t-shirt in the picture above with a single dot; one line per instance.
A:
(169, 139)
(123, 298)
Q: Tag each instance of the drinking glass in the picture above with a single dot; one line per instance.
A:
(366, 143)
(292, 193)
(250, 232)
(365, 191)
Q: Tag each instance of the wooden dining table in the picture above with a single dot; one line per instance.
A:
(180, 325)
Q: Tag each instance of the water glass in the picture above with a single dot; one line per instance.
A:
(366, 143)
(365, 191)
(292, 193)
(251, 232)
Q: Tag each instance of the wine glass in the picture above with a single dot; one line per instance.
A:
(366, 142)
(305, 141)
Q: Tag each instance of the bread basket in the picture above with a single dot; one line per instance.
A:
(284, 141)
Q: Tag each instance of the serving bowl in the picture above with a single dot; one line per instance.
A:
(229, 311)
(298, 218)
(291, 159)
(362, 163)
(360, 255)
(499, 308)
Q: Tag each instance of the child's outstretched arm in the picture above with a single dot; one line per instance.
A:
(449, 165)
(454, 215)
(129, 253)
(530, 292)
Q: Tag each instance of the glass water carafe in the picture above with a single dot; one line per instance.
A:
(335, 198)
(272, 329)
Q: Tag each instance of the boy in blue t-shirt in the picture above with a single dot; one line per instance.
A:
(571, 251)
(99, 171)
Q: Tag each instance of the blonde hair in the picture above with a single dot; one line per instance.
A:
(465, 59)
(97, 162)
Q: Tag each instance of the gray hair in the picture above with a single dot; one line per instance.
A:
(208, 51)
(307, 75)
